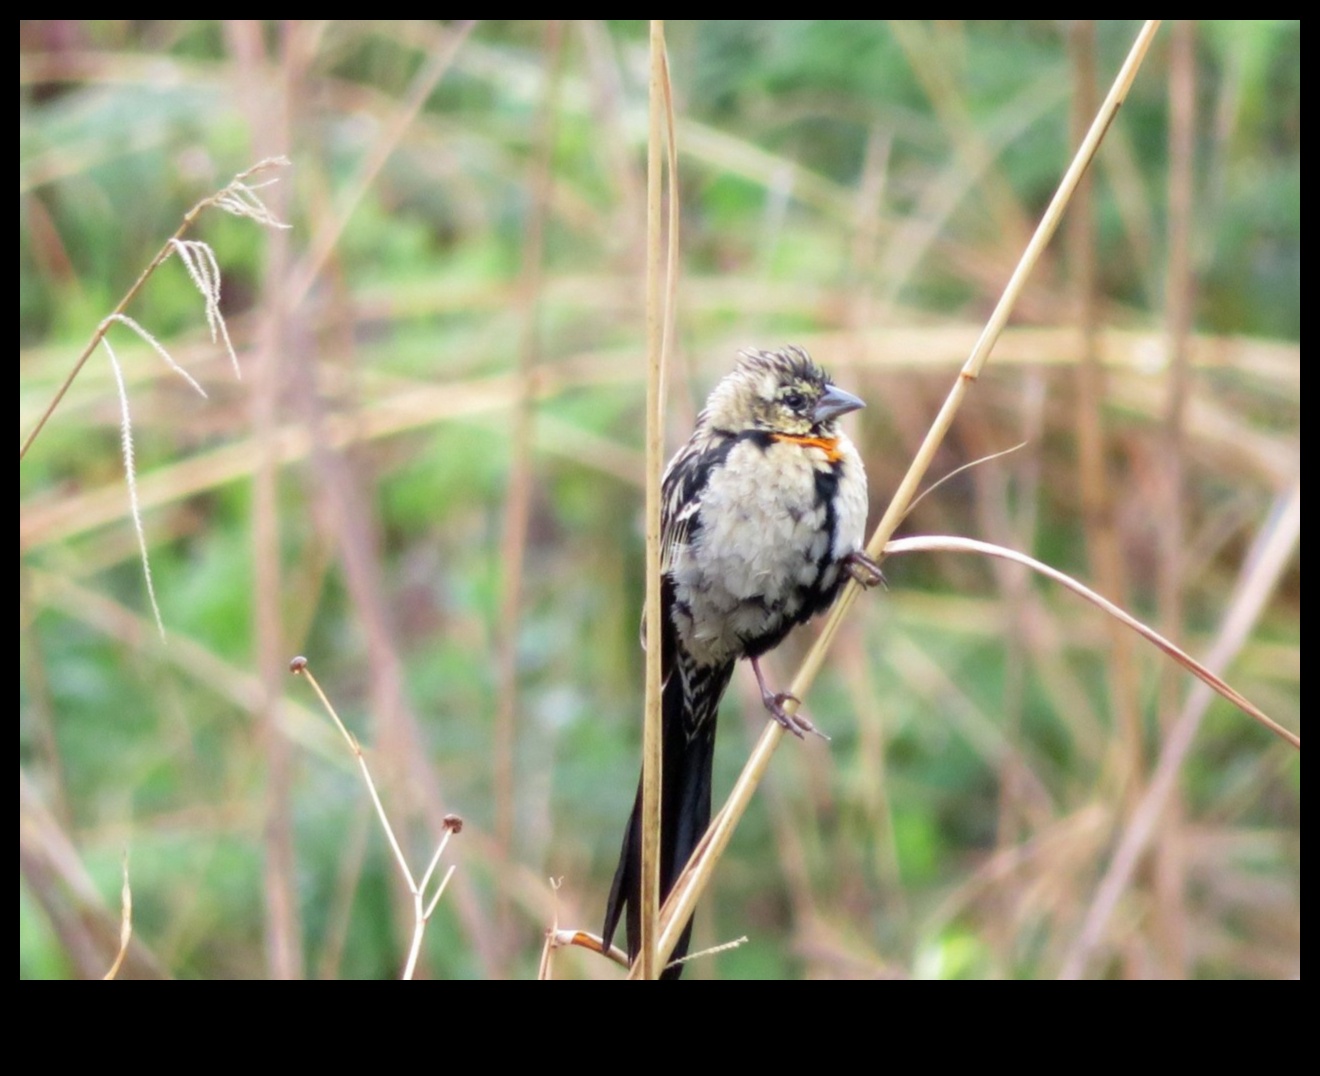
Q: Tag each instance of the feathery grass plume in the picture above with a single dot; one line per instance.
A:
(238, 198)
(199, 259)
(130, 476)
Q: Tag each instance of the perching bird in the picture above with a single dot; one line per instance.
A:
(762, 517)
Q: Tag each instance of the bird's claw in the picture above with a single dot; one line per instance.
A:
(863, 570)
(798, 724)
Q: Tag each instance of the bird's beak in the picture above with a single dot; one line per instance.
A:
(834, 403)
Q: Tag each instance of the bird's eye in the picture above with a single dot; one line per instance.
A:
(794, 401)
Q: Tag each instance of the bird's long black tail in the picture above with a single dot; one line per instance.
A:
(691, 698)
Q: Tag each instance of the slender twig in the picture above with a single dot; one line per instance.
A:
(422, 908)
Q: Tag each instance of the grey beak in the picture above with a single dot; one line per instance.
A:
(834, 403)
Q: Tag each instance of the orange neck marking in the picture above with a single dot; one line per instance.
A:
(828, 445)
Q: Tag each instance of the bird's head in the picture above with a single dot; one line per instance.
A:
(781, 392)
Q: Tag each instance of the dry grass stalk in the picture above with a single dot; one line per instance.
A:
(650, 960)
(423, 907)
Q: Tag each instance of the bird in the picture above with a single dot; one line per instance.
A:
(763, 514)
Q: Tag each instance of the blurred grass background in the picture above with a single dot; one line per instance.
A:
(429, 481)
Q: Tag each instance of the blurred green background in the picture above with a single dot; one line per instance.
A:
(429, 481)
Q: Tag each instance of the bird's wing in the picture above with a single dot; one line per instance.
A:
(683, 488)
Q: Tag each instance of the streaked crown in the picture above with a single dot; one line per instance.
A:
(782, 392)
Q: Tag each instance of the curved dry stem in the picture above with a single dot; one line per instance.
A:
(959, 470)
(948, 544)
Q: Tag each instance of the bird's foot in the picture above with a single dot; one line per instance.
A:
(798, 724)
(864, 571)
